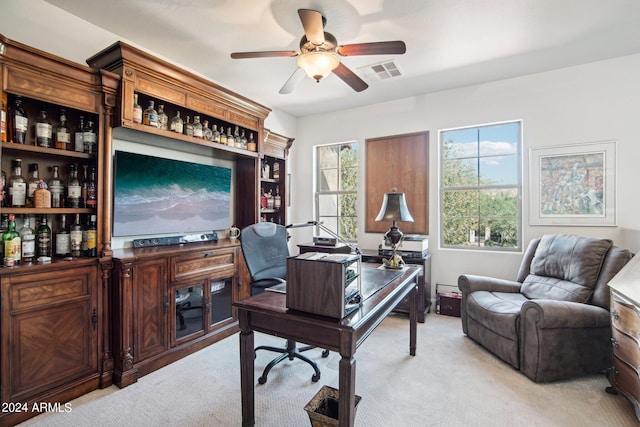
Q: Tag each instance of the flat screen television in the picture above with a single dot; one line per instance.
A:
(154, 195)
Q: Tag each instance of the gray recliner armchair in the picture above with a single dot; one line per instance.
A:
(553, 321)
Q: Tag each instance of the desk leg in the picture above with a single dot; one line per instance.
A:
(247, 376)
(413, 317)
(347, 392)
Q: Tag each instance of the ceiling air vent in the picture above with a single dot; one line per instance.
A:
(382, 71)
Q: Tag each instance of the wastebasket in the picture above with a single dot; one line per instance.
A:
(323, 408)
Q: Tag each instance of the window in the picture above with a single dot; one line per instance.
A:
(480, 187)
(337, 188)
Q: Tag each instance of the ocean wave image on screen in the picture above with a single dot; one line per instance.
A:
(156, 196)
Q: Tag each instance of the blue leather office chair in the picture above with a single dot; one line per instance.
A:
(265, 250)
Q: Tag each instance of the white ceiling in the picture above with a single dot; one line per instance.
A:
(450, 43)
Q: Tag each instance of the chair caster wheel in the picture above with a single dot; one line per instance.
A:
(262, 380)
(325, 353)
(315, 378)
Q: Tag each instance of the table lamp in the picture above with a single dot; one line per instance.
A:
(394, 208)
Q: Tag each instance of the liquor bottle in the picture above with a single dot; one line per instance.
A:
(215, 134)
(277, 200)
(43, 238)
(28, 238)
(243, 140)
(270, 200)
(230, 141)
(3, 189)
(3, 117)
(251, 144)
(137, 110)
(223, 136)
(32, 183)
(17, 186)
(197, 127)
(44, 130)
(188, 127)
(19, 122)
(177, 125)
(150, 115)
(75, 236)
(11, 241)
(92, 189)
(62, 133)
(74, 189)
(84, 182)
(207, 133)
(163, 119)
(236, 137)
(56, 187)
(263, 200)
(79, 136)
(276, 170)
(90, 138)
(92, 240)
(42, 196)
(63, 241)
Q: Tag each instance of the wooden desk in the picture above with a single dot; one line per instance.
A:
(267, 313)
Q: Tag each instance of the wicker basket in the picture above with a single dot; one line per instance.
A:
(323, 408)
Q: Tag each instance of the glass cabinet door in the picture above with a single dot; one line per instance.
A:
(221, 299)
(189, 310)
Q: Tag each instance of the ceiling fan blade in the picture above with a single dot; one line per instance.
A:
(292, 82)
(376, 48)
(313, 25)
(265, 54)
(350, 78)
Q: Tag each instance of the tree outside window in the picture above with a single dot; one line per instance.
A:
(480, 190)
(337, 188)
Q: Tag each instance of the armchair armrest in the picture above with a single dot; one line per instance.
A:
(550, 314)
(468, 283)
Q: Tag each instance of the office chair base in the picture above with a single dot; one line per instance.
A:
(290, 352)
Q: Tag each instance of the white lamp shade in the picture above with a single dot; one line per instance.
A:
(318, 65)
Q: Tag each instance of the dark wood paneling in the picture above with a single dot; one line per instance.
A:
(400, 162)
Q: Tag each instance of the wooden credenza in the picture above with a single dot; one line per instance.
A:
(624, 376)
(170, 301)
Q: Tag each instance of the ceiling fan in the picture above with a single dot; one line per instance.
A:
(317, 56)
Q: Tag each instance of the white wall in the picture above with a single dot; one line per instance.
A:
(590, 103)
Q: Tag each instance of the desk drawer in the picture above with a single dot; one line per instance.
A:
(215, 264)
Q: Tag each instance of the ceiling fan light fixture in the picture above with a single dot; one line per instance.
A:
(318, 65)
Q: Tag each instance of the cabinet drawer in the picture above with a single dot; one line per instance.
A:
(215, 264)
(626, 379)
(625, 317)
(626, 348)
(44, 289)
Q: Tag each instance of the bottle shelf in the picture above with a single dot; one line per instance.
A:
(225, 150)
(15, 147)
(47, 211)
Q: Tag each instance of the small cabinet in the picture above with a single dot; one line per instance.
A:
(50, 335)
(171, 301)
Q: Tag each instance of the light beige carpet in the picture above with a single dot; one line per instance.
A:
(451, 382)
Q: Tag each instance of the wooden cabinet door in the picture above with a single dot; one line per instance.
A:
(150, 309)
(49, 331)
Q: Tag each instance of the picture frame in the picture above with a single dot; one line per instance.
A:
(573, 185)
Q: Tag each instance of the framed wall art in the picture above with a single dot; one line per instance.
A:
(573, 185)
